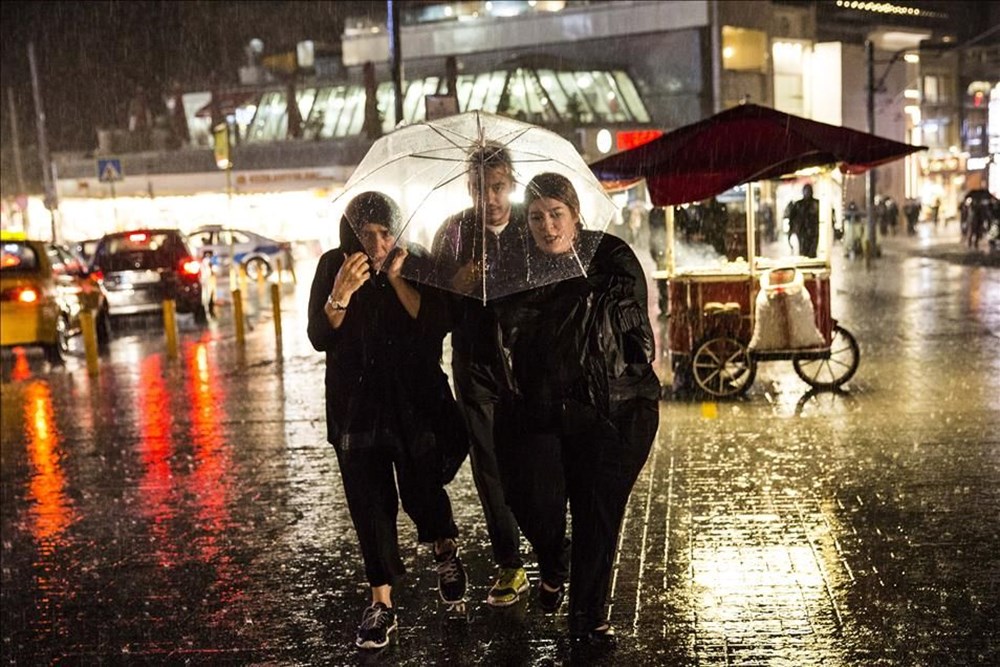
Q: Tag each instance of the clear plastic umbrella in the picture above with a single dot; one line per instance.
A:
(426, 169)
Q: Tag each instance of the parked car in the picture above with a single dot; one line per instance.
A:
(43, 289)
(257, 254)
(144, 267)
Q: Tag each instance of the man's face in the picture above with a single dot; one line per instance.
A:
(495, 199)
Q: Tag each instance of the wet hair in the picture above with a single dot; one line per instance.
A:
(807, 190)
(550, 185)
(491, 155)
(367, 208)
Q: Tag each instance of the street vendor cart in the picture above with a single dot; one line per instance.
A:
(737, 308)
(727, 316)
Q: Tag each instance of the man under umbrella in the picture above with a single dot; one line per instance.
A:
(479, 251)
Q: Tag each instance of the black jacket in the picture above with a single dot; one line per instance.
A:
(459, 241)
(383, 369)
(586, 340)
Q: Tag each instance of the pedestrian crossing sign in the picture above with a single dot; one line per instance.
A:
(109, 170)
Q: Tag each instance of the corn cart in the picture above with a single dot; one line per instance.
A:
(727, 315)
(743, 307)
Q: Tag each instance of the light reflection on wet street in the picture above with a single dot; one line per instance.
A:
(189, 509)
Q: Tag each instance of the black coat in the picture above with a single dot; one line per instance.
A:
(458, 242)
(586, 340)
(383, 370)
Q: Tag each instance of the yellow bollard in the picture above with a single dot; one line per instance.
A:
(170, 326)
(238, 316)
(276, 311)
(89, 326)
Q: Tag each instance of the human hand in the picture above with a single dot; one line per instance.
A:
(466, 278)
(353, 273)
(399, 255)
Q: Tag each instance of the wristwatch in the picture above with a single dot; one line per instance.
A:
(334, 305)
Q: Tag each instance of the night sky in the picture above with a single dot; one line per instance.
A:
(92, 55)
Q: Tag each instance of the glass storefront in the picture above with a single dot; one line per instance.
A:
(537, 95)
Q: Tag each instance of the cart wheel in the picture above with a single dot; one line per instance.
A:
(838, 368)
(722, 367)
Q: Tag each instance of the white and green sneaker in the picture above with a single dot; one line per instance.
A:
(510, 584)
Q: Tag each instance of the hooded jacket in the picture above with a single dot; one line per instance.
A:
(383, 370)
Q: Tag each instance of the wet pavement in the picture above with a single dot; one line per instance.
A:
(188, 510)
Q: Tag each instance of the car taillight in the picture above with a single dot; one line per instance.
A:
(28, 295)
(190, 267)
(22, 295)
(97, 275)
(138, 237)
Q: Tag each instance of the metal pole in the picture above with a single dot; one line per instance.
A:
(43, 144)
(18, 166)
(870, 174)
(16, 135)
(395, 57)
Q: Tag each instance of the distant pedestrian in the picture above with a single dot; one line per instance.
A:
(581, 352)
(658, 251)
(911, 209)
(389, 410)
(803, 222)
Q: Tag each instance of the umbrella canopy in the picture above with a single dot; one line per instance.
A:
(742, 144)
(427, 169)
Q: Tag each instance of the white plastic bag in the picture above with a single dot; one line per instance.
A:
(785, 318)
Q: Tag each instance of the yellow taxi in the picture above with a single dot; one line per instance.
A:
(43, 289)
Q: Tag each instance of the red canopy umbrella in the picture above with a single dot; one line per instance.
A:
(742, 144)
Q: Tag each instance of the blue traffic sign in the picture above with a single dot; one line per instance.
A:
(109, 170)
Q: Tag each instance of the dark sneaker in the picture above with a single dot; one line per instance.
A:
(377, 623)
(451, 577)
(550, 601)
(508, 587)
(602, 635)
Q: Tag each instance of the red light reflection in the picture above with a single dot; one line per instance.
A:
(156, 448)
(21, 370)
(211, 483)
(52, 510)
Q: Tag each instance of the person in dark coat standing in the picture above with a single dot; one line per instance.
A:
(388, 403)
(581, 352)
(478, 253)
(803, 222)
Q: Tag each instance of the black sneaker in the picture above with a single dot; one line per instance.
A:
(602, 635)
(550, 601)
(451, 577)
(377, 623)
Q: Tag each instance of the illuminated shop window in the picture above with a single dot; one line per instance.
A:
(271, 120)
(631, 97)
(744, 50)
(789, 65)
(537, 95)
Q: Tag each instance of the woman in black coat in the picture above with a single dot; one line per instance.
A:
(389, 409)
(581, 352)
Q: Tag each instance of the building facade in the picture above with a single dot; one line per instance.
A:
(604, 74)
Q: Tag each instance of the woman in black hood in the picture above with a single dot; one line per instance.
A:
(389, 409)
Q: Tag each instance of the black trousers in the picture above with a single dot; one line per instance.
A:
(371, 465)
(592, 462)
(479, 395)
